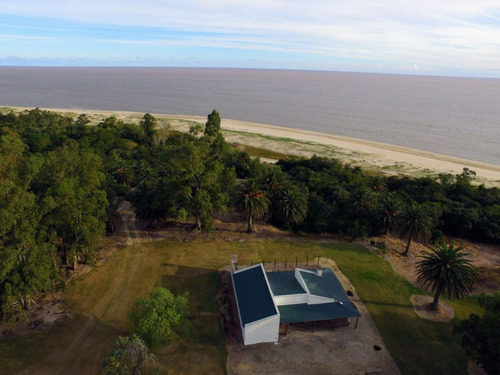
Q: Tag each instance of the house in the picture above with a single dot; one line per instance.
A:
(267, 299)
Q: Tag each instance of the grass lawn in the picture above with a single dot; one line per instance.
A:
(102, 300)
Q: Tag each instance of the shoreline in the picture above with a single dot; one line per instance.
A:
(388, 158)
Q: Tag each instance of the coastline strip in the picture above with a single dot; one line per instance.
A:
(374, 153)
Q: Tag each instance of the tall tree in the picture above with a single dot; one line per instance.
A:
(446, 270)
(214, 137)
(212, 126)
(75, 199)
(148, 125)
(251, 201)
(414, 221)
(27, 254)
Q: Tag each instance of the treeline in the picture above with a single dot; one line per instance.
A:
(347, 201)
(63, 180)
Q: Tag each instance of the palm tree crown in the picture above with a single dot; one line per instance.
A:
(291, 205)
(445, 270)
(415, 221)
(388, 210)
(251, 201)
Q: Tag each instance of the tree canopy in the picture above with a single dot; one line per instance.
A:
(160, 317)
(445, 270)
(130, 356)
(480, 338)
(62, 182)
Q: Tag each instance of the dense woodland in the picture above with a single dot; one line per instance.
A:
(63, 180)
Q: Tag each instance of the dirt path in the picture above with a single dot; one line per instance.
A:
(130, 229)
(79, 343)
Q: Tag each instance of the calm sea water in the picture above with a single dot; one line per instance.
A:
(453, 116)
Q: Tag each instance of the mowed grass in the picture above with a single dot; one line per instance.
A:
(102, 301)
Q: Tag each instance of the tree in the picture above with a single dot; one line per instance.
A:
(415, 221)
(251, 201)
(388, 210)
(446, 270)
(148, 125)
(160, 317)
(27, 254)
(212, 126)
(290, 205)
(363, 201)
(130, 356)
(214, 137)
(480, 338)
(71, 183)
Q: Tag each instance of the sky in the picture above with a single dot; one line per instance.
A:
(437, 37)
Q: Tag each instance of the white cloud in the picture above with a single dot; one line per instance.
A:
(425, 32)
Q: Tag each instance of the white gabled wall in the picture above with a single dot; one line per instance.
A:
(264, 330)
(301, 281)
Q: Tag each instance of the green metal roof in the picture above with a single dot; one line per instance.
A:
(254, 297)
(326, 285)
(323, 311)
(283, 283)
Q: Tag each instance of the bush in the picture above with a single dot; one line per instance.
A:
(159, 318)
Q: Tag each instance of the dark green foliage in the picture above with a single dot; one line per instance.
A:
(346, 201)
(62, 182)
(130, 356)
(148, 125)
(160, 317)
(52, 206)
(445, 270)
(27, 253)
(388, 211)
(251, 201)
(415, 221)
(290, 205)
(212, 127)
(480, 334)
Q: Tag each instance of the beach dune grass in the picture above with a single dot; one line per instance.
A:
(102, 300)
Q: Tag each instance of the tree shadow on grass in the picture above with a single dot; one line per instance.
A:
(73, 346)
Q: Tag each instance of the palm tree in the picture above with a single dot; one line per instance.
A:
(363, 201)
(445, 270)
(389, 208)
(251, 201)
(291, 205)
(415, 221)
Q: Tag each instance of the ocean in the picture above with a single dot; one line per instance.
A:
(448, 115)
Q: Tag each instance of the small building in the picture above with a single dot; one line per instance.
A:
(258, 313)
(266, 300)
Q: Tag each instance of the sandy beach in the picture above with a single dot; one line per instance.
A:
(387, 158)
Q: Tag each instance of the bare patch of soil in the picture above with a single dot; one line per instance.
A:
(39, 318)
(486, 258)
(346, 350)
(421, 306)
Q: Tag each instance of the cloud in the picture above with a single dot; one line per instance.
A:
(454, 33)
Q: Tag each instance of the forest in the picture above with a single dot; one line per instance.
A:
(62, 181)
